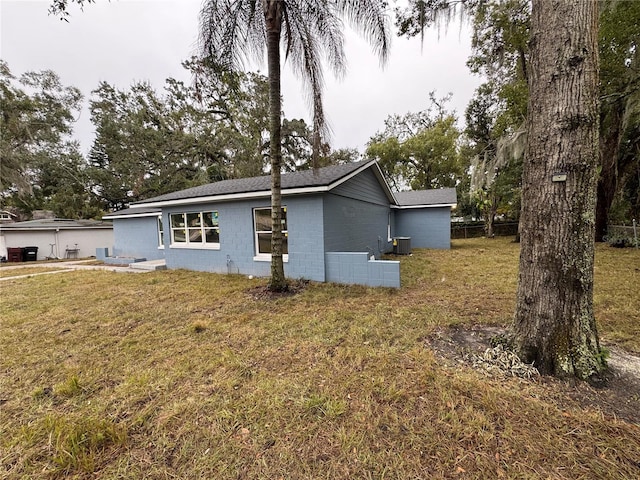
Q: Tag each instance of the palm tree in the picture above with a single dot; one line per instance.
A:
(235, 31)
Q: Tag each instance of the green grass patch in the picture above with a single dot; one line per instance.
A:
(178, 374)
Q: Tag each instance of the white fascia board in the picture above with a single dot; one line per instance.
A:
(435, 205)
(132, 215)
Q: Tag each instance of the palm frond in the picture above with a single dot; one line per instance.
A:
(370, 18)
(232, 32)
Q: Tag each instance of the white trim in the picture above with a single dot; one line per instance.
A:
(202, 244)
(285, 233)
(266, 257)
(132, 215)
(435, 205)
(160, 232)
(208, 199)
(195, 246)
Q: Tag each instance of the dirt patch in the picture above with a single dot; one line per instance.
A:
(617, 393)
(262, 292)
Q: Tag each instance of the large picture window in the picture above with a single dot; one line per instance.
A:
(196, 229)
(262, 229)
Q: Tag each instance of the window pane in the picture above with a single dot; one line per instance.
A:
(179, 235)
(263, 220)
(264, 243)
(177, 220)
(195, 235)
(212, 235)
(284, 218)
(210, 219)
(193, 219)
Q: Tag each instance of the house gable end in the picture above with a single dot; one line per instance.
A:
(365, 187)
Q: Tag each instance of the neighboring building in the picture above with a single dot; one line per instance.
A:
(337, 222)
(6, 217)
(69, 238)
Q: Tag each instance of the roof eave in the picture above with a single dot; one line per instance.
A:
(114, 215)
(432, 205)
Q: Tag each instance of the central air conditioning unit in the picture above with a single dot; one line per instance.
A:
(402, 245)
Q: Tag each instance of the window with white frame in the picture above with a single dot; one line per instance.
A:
(160, 233)
(195, 229)
(262, 230)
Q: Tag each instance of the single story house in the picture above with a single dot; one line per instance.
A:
(337, 222)
(57, 237)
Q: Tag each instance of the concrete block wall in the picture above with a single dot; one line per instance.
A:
(357, 268)
(427, 227)
(237, 250)
(137, 238)
(355, 226)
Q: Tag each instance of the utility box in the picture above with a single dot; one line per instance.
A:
(30, 254)
(402, 245)
(14, 254)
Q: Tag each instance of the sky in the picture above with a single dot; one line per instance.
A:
(123, 41)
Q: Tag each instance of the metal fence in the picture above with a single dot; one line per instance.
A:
(623, 235)
(476, 229)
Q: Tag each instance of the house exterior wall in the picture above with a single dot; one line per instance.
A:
(237, 252)
(88, 239)
(357, 268)
(137, 237)
(356, 217)
(427, 227)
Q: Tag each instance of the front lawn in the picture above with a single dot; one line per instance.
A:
(178, 374)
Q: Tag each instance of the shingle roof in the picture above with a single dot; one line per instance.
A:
(55, 223)
(303, 179)
(442, 196)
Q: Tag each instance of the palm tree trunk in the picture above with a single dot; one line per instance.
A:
(273, 16)
(554, 323)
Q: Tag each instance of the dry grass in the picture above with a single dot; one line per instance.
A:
(179, 374)
(15, 272)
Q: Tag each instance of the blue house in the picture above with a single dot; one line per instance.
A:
(337, 222)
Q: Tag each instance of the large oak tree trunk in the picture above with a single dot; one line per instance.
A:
(554, 324)
(273, 17)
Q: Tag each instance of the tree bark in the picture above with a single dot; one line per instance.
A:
(273, 20)
(554, 324)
